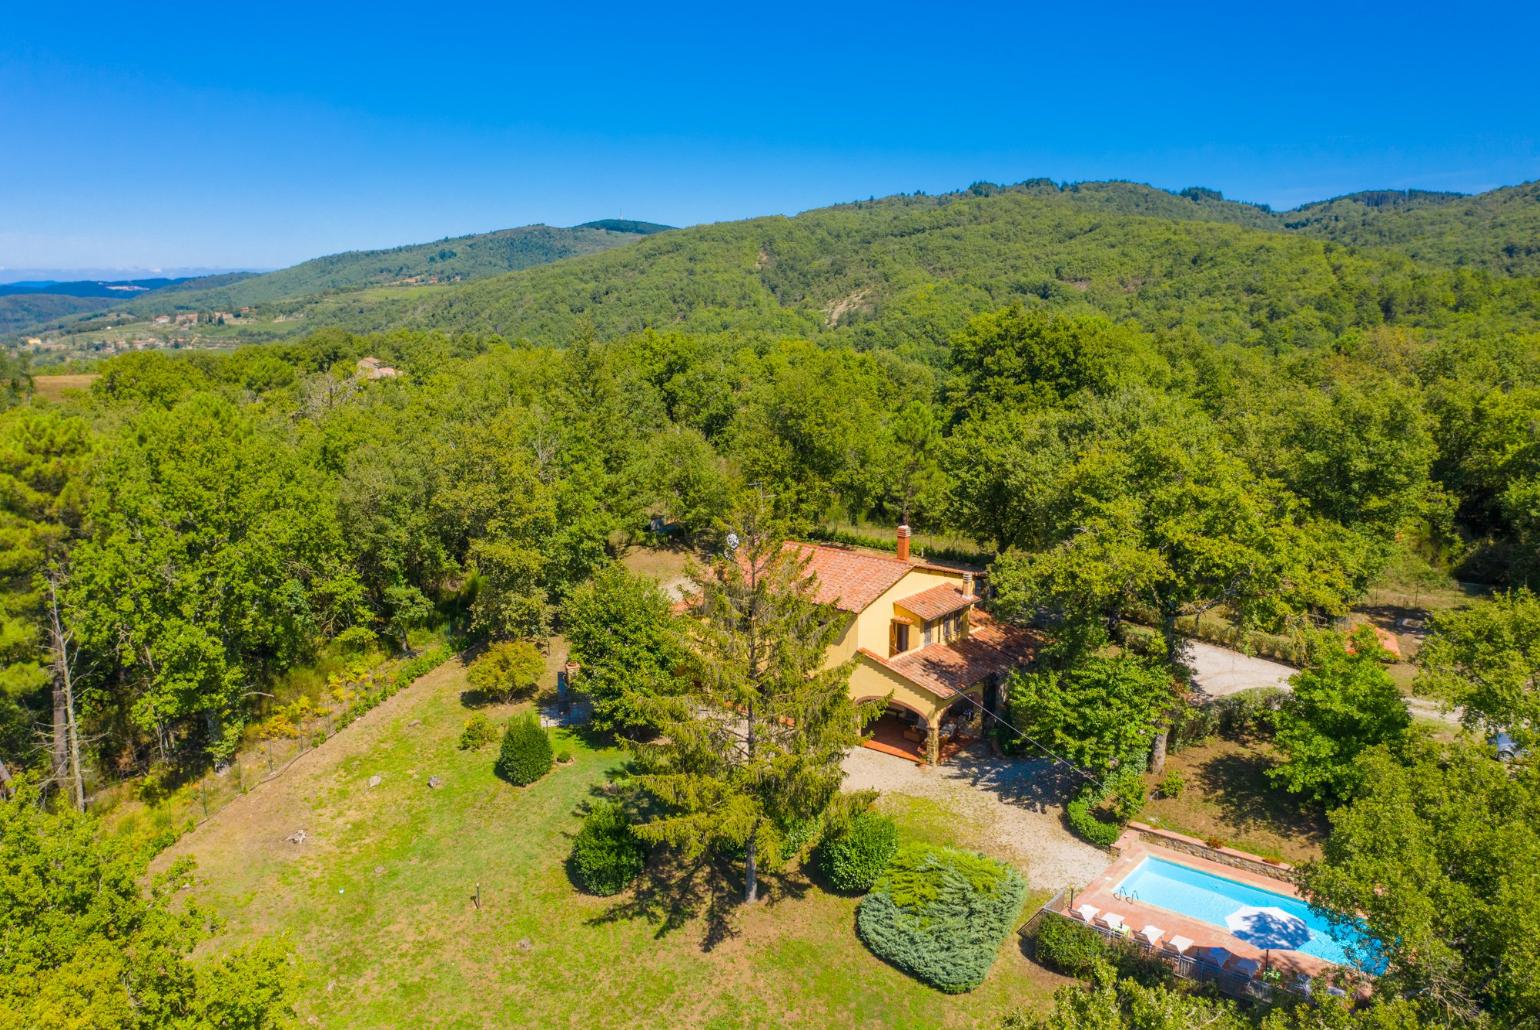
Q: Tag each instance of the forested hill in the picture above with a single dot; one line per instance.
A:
(458, 259)
(1498, 230)
(24, 304)
(910, 270)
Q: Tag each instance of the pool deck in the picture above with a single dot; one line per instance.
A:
(1133, 850)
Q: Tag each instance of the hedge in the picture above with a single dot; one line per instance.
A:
(1068, 947)
(965, 555)
(1082, 818)
(1099, 812)
(852, 860)
(606, 854)
(940, 914)
(526, 752)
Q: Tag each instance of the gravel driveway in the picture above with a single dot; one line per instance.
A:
(1015, 802)
(1218, 671)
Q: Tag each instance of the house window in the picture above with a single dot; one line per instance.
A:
(930, 633)
(898, 638)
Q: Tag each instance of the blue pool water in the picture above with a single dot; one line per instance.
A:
(1201, 895)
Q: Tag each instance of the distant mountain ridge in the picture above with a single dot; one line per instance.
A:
(907, 271)
(23, 304)
(453, 259)
(904, 266)
(115, 288)
(1498, 230)
(626, 225)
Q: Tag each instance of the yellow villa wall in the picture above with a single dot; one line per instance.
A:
(869, 629)
(871, 679)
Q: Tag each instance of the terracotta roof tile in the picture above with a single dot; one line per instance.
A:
(946, 669)
(937, 602)
(851, 580)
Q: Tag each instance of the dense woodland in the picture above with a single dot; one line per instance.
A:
(1138, 418)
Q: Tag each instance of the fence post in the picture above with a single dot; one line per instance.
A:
(203, 794)
(240, 775)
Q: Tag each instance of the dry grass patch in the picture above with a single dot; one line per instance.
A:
(1227, 796)
(54, 388)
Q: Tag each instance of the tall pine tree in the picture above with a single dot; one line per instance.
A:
(751, 750)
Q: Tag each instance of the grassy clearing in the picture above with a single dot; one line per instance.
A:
(1227, 796)
(56, 388)
(664, 564)
(921, 540)
(378, 900)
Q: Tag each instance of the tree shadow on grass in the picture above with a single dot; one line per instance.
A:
(473, 699)
(674, 892)
(1237, 782)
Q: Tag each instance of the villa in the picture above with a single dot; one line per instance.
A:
(919, 641)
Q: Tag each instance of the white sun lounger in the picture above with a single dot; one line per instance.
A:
(1246, 966)
(1112, 921)
(1087, 912)
(1215, 956)
(1179, 944)
(1152, 934)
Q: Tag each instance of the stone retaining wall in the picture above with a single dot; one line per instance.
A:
(1224, 856)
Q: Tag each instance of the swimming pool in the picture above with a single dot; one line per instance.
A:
(1265, 918)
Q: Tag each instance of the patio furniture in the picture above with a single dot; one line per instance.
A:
(1087, 912)
(1246, 966)
(1214, 956)
(1179, 944)
(1112, 921)
(1151, 935)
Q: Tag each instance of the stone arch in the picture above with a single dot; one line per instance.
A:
(931, 720)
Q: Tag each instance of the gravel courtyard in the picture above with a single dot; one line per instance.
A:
(1015, 801)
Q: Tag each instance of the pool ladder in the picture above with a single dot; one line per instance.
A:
(1126, 895)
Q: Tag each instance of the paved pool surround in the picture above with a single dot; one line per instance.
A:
(1133, 848)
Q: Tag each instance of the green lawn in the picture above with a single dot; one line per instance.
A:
(378, 901)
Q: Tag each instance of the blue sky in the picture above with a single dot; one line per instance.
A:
(256, 136)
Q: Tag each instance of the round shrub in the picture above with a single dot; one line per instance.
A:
(940, 914)
(478, 733)
(1081, 815)
(526, 752)
(1249, 713)
(607, 856)
(1068, 947)
(1172, 784)
(796, 838)
(852, 860)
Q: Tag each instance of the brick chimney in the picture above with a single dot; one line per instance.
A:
(903, 543)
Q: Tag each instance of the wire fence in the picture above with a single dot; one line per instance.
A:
(1265, 986)
(273, 753)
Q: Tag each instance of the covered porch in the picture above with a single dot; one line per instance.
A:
(904, 733)
(936, 696)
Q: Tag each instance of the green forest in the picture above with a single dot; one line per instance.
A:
(453, 259)
(1135, 407)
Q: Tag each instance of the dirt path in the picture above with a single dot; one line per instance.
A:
(1014, 801)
